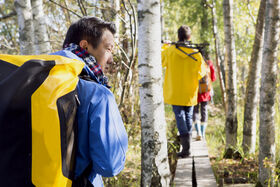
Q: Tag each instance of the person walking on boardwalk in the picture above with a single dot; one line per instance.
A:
(184, 68)
(204, 96)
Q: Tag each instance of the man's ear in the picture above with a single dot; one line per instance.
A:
(83, 44)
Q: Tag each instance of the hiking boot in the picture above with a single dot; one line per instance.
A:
(185, 141)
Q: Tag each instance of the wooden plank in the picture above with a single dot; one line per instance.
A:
(204, 173)
(199, 148)
(183, 175)
(239, 185)
(203, 170)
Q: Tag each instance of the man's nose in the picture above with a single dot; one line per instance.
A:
(110, 60)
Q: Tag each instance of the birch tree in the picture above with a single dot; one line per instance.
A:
(231, 87)
(204, 22)
(26, 31)
(41, 39)
(268, 92)
(33, 37)
(217, 50)
(155, 168)
(252, 93)
(162, 19)
(116, 5)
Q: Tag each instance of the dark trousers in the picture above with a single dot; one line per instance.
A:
(203, 112)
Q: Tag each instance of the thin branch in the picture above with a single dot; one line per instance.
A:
(126, 9)
(8, 15)
(82, 8)
(131, 32)
(113, 10)
(65, 8)
(125, 54)
(124, 64)
(66, 12)
(134, 36)
(250, 12)
(7, 44)
(123, 20)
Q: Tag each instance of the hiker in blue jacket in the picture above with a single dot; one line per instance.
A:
(102, 139)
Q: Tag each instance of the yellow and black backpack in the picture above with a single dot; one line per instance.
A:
(38, 103)
(205, 83)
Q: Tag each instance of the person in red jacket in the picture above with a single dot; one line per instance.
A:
(204, 96)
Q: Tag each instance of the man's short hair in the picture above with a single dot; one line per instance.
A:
(88, 28)
(184, 33)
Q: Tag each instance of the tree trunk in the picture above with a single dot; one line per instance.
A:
(26, 32)
(126, 33)
(217, 51)
(42, 43)
(154, 168)
(204, 22)
(107, 10)
(231, 114)
(162, 19)
(116, 5)
(268, 92)
(252, 88)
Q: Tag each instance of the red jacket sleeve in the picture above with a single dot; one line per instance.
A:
(212, 70)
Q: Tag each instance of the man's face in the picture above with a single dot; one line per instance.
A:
(103, 52)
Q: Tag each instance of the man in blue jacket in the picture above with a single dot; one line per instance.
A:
(102, 139)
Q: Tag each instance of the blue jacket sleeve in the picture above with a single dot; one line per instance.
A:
(107, 136)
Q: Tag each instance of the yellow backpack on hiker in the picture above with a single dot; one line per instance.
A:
(37, 120)
(205, 83)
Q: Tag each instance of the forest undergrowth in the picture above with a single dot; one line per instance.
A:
(239, 170)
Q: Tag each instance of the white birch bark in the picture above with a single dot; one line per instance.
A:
(116, 5)
(231, 87)
(162, 19)
(217, 51)
(155, 168)
(268, 92)
(253, 85)
(126, 35)
(41, 38)
(26, 32)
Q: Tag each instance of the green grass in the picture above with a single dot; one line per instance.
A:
(215, 132)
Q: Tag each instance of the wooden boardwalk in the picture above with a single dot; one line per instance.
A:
(195, 170)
